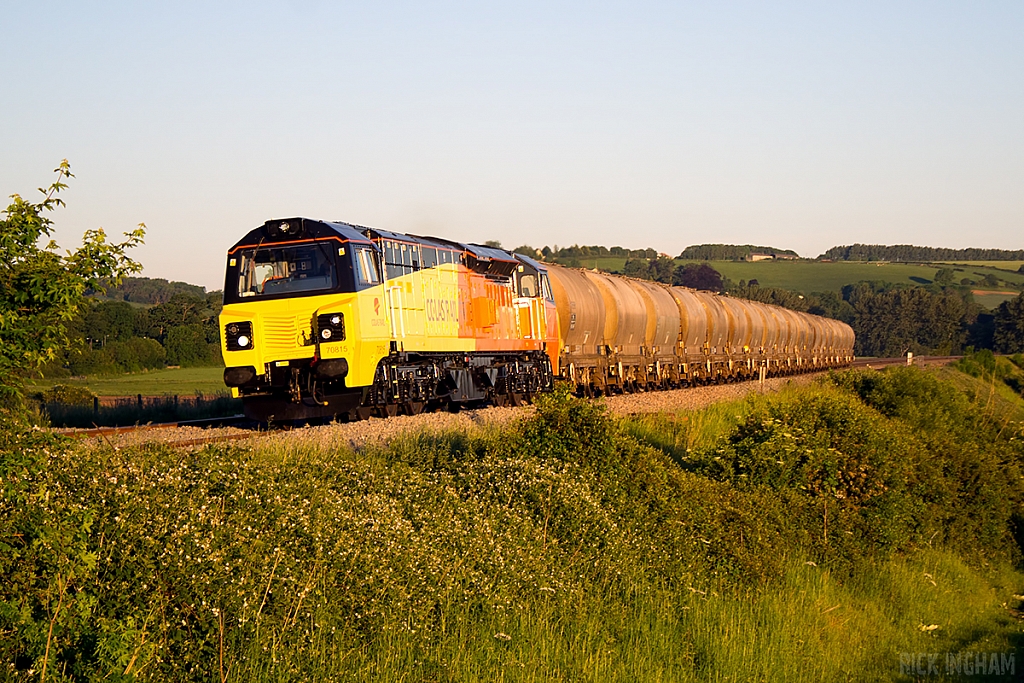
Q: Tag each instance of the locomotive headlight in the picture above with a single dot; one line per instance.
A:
(331, 327)
(238, 336)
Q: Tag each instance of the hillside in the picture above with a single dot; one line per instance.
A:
(151, 291)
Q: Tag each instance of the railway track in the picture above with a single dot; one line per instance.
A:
(245, 428)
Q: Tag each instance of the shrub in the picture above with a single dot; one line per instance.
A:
(68, 394)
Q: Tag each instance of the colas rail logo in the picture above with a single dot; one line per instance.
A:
(442, 310)
(376, 306)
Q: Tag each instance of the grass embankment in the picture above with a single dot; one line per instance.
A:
(814, 535)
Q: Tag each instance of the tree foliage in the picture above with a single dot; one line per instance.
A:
(659, 269)
(42, 290)
(698, 276)
(145, 290)
(1008, 326)
(910, 252)
(729, 252)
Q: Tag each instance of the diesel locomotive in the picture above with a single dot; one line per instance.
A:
(326, 319)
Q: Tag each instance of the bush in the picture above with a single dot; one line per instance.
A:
(71, 395)
(92, 362)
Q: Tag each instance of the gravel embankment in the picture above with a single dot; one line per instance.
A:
(377, 430)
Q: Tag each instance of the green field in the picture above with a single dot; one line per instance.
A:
(178, 381)
(997, 265)
(990, 301)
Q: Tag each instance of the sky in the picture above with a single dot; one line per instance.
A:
(793, 125)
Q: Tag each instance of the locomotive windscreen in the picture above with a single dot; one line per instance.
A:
(274, 270)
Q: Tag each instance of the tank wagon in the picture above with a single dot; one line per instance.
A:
(328, 318)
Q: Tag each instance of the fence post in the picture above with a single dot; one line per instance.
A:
(95, 405)
(139, 398)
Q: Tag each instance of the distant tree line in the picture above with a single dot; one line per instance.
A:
(574, 255)
(115, 336)
(728, 252)
(909, 252)
(145, 290)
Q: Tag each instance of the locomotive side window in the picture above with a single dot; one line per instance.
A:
(367, 272)
(393, 265)
(269, 271)
(429, 257)
(545, 284)
(528, 285)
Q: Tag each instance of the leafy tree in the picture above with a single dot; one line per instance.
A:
(661, 269)
(187, 346)
(637, 267)
(944, 276)
(110, 321)
(698, 276)
(1008, 326)
(892, 321)
(180, 310)
(42, 290)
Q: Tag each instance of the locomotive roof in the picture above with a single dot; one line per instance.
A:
(291, 229)
(536, 265)
(299, 229)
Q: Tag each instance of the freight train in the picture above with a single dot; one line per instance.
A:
(324, 319)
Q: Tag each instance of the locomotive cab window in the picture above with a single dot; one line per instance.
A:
(271, 271)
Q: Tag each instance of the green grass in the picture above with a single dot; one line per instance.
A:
(178, 381)
(570, 546)
(1012, 266)
(991, 301)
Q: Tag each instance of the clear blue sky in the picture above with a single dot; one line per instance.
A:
(640, 124)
